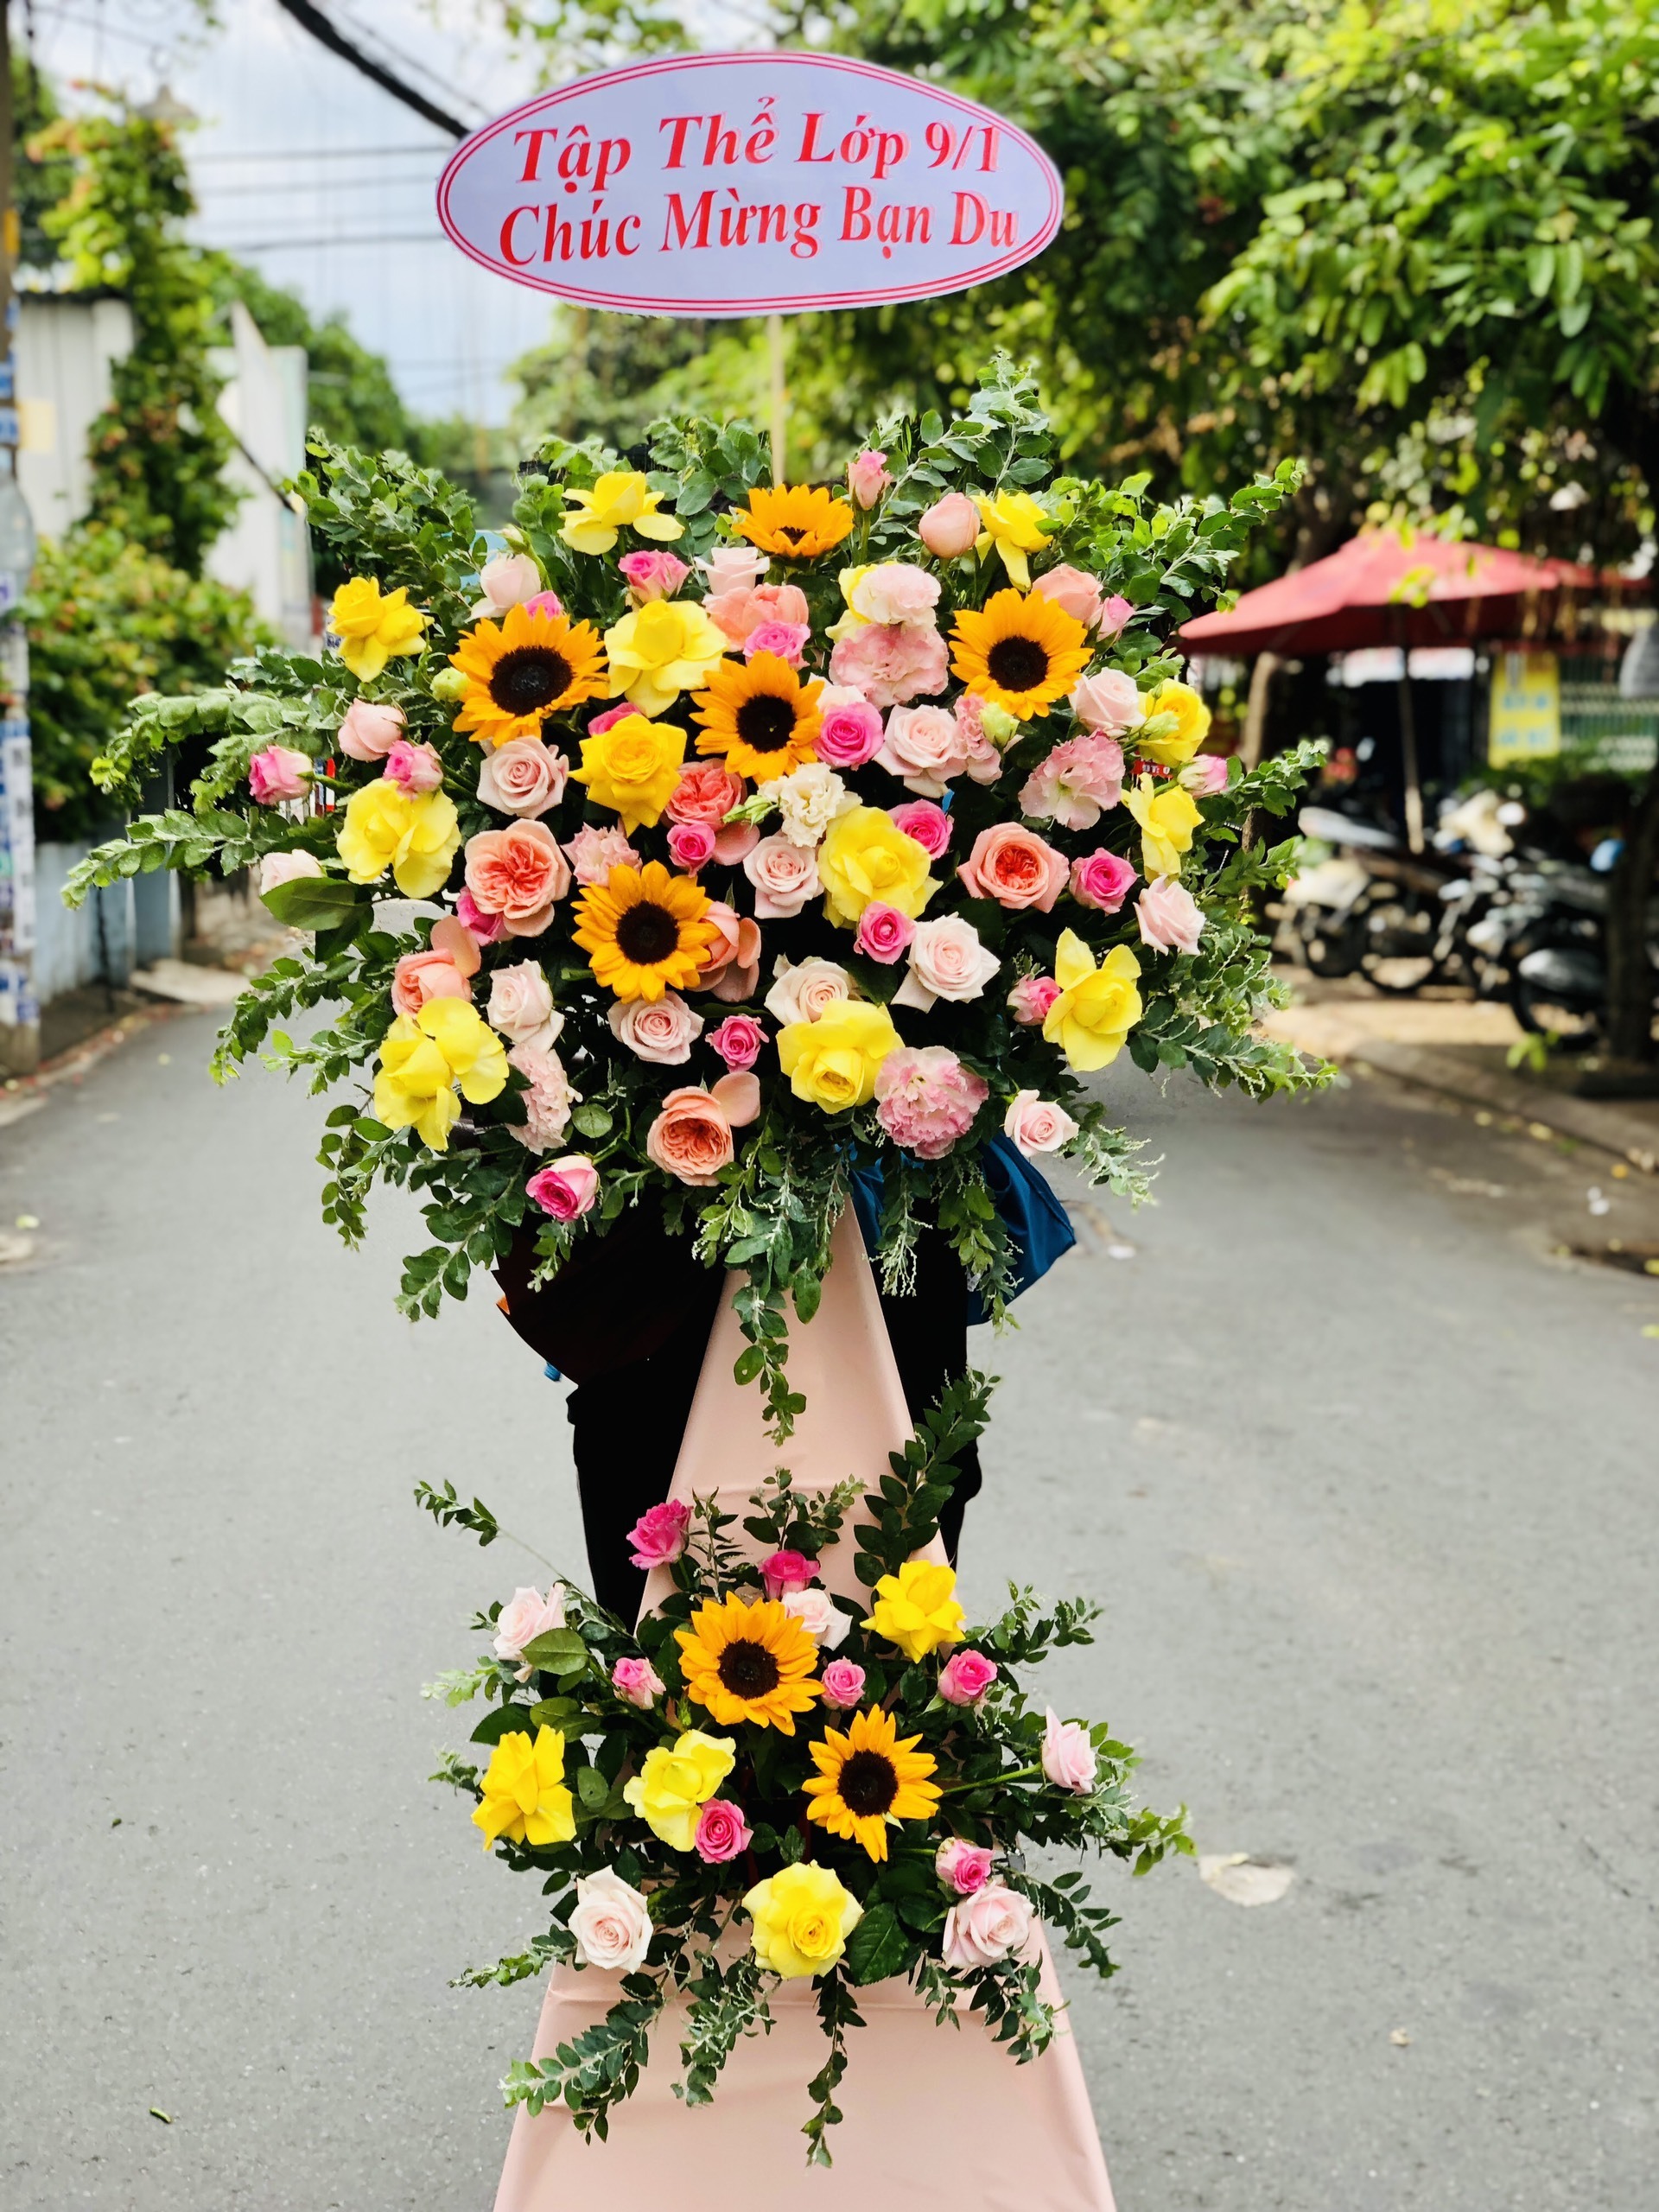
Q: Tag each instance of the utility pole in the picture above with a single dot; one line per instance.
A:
(20, 1014)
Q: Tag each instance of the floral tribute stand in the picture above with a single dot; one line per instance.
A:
(931, 2118)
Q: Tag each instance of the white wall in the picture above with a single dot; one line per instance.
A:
(65, 347)
(264, 550)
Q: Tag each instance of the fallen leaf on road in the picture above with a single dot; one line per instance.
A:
(1244, 1880)
(1399, 2036)
(27, 1221)
(155, 2112)
(1652, 1329)
(14, 1249)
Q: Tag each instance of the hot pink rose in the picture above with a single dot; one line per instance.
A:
(927, 1100)
(947, 961)
(1102, 879)
(723, 1832)
(415, 768)
(966, 1676)
(923, 746)
(891, 664)
(897, 591)
(548, 1102)
(1077, 780)
(740, 612)
(691, 1137)
(731, 967)
(867, 477)
(523, 777)
(637, 1681)
(507, 580)
(707, 792)
(1068, 1755)
(661, 1031)
(525, 1616)
(659, 1538)
(690, 845)
(783, 1571)
(278, 773)
(1014, 866)
(610, 718)
(785, 641)
(594, 852)
(544, 602)
(1205, 775)
(1110, 701)
(1072, 591)
(518, 873)
(884, 933)
(566, 1188)
(991, 1925)
(1033, 1124)
(488, 928)
(849, 728)
(1031, 998)
(739, 1040)
(842, 1683)
(950, 526)
(1114, 614)
(369, 731)
(785, 876)
(928, 824)
(419, 977)
(1169, 918)
(652, 576)
(963, 1866)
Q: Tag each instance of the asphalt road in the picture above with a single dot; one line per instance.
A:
(1362, 1471)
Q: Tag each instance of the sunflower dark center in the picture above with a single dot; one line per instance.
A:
(868, 1784)
(766, 722)
(647, 933)
(747, 1670)
(792, 530)
(529, 678)
(1017, 664)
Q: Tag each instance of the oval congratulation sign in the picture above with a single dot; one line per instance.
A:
(729, 184)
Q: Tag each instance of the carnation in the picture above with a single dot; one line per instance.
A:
(896, 592)
(594, 852)
(548, 1102)
(927, 1100)
(1078, 781)
(808, 800)
(891, 664)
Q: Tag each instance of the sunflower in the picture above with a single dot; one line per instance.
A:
(760, 716)
(643, 931)
(797, 520)
(524, 669)
(748, 1663)
(1023, 653)
(867, 1777)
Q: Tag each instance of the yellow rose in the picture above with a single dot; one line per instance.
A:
(525, 1796)
(845, 624)
(1098, 1007)
(917, 1608)
(1013, 524)
(832, 1062)
(371, 629)
(1167, 819)
(675, 1782)
(1176, 746)
(802, 1915)
(867, 856)
(666, 647)
(416, 838)
(621, 500)
(632, 766)
(424, 1055)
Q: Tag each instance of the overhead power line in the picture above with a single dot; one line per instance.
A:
(310, 154)
(314, 21)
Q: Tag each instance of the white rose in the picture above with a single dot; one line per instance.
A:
(611, 1923)
(809, 801)
(663, 1032)
(1035, 1124)
(947, 961)
(989, 1926)
(801, 992)
(784, 877)
(1109, 701)
(283, 868)
(923, 746)
(525, 1616)
(521, 1006)
(524, 777)
(508, 580)
(818, 1614)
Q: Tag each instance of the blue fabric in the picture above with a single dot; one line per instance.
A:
(1038, 1225)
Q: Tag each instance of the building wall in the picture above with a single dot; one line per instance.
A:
(64, 349)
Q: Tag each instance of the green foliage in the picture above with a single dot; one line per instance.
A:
(905, 1510)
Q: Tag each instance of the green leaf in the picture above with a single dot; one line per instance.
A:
(559, 1650)
(501, 1721)
(593, 1120)
(880, 1946)
(314, 902)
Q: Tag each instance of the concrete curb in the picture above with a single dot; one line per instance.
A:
(1628, 1135)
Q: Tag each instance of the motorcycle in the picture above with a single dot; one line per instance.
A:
(1548, 936)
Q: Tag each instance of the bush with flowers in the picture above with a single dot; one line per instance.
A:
(847, 1788)
(716, 839)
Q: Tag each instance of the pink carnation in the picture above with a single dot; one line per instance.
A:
(883, 933)
(723, 1832)
(594, 852)
(659, 1536)
(1076, 782)
(928, 824)
(785, 641)
(927, 1100)
(1031, 998)
(1102, 879)
(547, 1103)
(891, 663)
(637, 1681)
(652, 576)
(565, 1189)
(849, 728)
(965, 1677)
(842, 1683)
(1169, 918)
(739, 1040)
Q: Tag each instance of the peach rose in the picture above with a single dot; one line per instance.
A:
(662, 1031)
(742, 611)
(784, 877)
(523, 777)
(691, 1137)
(950, 527)
(1014, 866)
(706, 793)
(1033, 1124)
(731, 967)
(369, 731)
(419, 977)
(518, 873)
(1072, 591)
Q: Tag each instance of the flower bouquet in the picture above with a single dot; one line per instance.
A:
(763, 1783)
(712, 841)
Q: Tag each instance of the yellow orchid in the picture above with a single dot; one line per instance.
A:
(1098, 1007)
(917, 1608)
(621, 499)
(802, 1915)
(666, 647)
(675, 1782)
(524, 1795)
(1167, 816)
(371, 628)
(416, 837)
(423, 1055)
(1013, 522)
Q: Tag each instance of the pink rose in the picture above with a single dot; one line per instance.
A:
(566, 1190)
(659, 1536)
(278, 773)
(419, 977)
(486, 928)
(896, 591)
(286, 867)
(741, 612)
(414, 768)
(610, 718)
(652, 576)
(891, 664)
(1205, 775)
(947, 961)
(785, 641)
(1031, 998)
(785, 876)
(518, 873)
(523, 777)
(368, 732)
(1072, 591)
(950, 527)
(966, 1676)
(849, 728)
(923, 746)
(594, 852)
(842, 1683)
(637, 1681)
(707, 792)
(1110, 701)
(884, 933)
(1114, 614)
(661, 1031)
(545, 602)
(928, 824)
(691, 845)
(927, 1100)
(723, 1832)
(963, 1866)
(1077, 780)
(1169, 918)
(1033, 1124)
(805, 989)
(784, 1571)
(867, 477)
(691, 1137)
(1068, 1755)
(739, 1040)
(507, 580)
(525, 1616)
(611, 1921)
(1102, 879)
(818, 1614)
(993, 1925)
(1014, 866)
(733, 568)
(547, 1103)
(731, 967)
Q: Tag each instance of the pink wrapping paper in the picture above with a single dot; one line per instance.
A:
(934, 2117)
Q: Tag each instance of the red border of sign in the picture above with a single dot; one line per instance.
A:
(790, 303)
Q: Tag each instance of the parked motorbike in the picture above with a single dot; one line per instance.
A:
(1548, 936)
(1375, 908)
